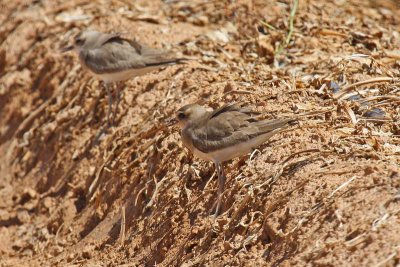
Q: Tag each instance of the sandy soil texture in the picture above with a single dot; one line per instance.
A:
(325, 192)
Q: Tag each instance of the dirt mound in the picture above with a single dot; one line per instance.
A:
(324, 193)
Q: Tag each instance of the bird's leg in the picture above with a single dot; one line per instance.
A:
(221, 184)
(107, 86)
(118, 98)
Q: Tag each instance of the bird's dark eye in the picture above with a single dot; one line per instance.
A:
(79, 41)
(181, 115)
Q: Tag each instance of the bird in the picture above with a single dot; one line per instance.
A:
(112, 58)
(225, 133)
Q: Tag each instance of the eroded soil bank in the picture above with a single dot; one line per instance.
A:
(323, 193)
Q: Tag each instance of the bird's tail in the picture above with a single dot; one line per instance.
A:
(277, 124)
(171, 61)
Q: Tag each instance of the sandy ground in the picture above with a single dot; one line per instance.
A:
(322, 193)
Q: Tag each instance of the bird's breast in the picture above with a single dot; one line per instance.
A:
(188, 143)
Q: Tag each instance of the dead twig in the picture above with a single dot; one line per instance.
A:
(93, 186)
(342, 186)
(349, 87)
(123, 223)
(317, 206)
(291, 28)
(351, 114)
(385, 261)
(155, 193)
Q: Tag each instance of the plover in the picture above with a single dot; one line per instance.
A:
(112, 58)
(225, 133)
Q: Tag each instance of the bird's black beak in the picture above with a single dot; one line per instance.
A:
(66, 49)
(171, 122)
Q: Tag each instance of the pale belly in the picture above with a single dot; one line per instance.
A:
(123, 75)
(231, 152)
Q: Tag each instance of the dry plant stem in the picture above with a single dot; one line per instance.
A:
(386, 261)
(283, 165)
(385, 97)
(328, 32)
(351, 114)
(268, 25)
(342, 186)
(291, 21)
(320, 204)
(208, 182)
(301, 152)
(241, 206)
(291, 27)
(348, 88)
(314, 113)
(94, 185)
(242, 92)
(154, 195)
(123, 223)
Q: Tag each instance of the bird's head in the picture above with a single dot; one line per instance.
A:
(189, 113)
(85, 39)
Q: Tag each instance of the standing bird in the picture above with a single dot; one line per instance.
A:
(225, 133)
(112, 58)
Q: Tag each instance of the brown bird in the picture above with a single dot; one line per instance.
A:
(112, 58)
(225, 133)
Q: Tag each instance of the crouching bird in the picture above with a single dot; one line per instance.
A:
(225, 133)
(112, 58)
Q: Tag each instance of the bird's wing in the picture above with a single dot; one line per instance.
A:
(107, 37)
(232, 107)
(231, 125)
(153, 56)
(118, 54)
